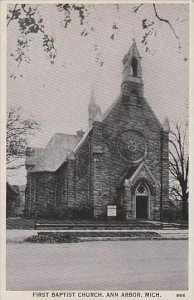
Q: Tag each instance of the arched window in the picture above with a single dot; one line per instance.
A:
(142, 201)
(142, 189)
(134, 64)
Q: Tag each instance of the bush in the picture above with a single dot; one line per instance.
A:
(60, 213)
(56, 237)
(50, 212)
(171, 215)
(82, 213)
(121, 213)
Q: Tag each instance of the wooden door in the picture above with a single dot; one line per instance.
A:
(141, 207)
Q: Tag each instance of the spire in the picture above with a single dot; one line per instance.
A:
(132, 64)
(92, 97)
(166, 125)
(132, 85)
(98, 115)
(92, 104)
(94, 111)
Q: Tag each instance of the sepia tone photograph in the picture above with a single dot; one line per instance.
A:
(97, 149)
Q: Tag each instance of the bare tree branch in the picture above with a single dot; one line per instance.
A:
(179, 166)
(164, 20)
(136, 8)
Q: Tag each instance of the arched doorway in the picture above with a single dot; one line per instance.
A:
(142, 199)
(134, 66)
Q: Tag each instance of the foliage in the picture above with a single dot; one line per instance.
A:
(179, 165)
(53, 237)
(60, 213)
(30, 21)
(173, 214)
(17, 131)
(82, 213)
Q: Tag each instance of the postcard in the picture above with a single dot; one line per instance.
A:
(96, 134)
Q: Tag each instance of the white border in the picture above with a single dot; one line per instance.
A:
(165, 295)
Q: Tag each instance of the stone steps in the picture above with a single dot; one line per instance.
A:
(108, 226)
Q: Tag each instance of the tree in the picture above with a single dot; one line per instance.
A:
(30, 21)
(18, 130)
(179, 165)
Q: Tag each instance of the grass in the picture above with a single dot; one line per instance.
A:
(25, 223)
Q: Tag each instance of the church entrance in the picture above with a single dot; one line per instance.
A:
(142, 201)
(141, 207)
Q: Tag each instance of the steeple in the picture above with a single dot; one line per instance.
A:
(132, 73)
(94, 111)
(132, 65)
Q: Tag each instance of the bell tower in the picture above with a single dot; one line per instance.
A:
(132, 83)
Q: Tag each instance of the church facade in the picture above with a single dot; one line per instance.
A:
(120, 163)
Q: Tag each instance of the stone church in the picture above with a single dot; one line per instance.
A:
(121, 163)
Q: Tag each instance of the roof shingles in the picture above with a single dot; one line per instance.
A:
(55, 153)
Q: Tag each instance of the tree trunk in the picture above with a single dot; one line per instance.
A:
(184, 207)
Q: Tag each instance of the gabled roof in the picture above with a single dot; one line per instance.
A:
(55, 153)
(136, 171)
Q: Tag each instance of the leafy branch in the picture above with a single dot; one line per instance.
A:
(31, 22)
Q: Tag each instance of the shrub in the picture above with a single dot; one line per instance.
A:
(50, 237)
(171, 214)
(82, 213)
(121, 213)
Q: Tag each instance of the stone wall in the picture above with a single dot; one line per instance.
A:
(40, 193)
(93, 177)
(109, 167)
(61, 188)
(83, 176)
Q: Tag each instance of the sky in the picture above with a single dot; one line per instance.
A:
(57, 95)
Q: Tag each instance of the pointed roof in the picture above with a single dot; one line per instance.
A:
(133, 51)
(98, 114)
(136, 171)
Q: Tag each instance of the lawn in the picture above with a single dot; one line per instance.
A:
(25, 223)
(108, 265)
